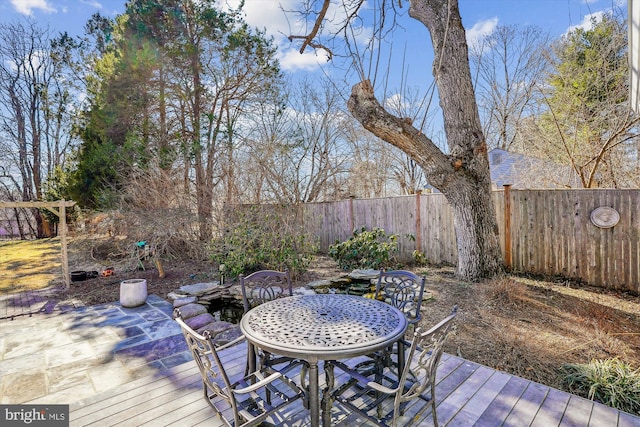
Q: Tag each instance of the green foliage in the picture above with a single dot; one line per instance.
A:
(96, 176)
(587, 124)
(169, 83)
(611, 382)
(54, 189)
(366, 249)
(259, 240)
(592, 64)
(420, 258)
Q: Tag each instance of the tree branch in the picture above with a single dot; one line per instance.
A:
(309, 42)
(399, 132)
(308, 39)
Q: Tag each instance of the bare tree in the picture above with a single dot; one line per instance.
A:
(297, 151)
(371, 161)
(509, 63)
(462, 174)
(35, 117)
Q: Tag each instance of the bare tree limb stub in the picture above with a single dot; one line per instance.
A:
(397, 131)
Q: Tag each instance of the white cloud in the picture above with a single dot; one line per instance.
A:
(480, 30)
(92, 3)
(280, 20)
(292, 60)
(270, 16)
(26, 7)
(394, 103)
(587, 23)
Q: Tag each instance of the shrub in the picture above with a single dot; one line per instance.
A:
(419, 258)
(366, 249)
(611, 381)
(258, 240)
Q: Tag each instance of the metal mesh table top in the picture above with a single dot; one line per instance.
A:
(325, 326)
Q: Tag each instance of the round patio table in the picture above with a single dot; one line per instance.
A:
(322, 327)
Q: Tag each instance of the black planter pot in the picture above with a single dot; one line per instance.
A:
(78, 276)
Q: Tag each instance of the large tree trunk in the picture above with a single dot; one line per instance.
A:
(462, 175)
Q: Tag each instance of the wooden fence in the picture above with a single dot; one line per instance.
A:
(542, 231)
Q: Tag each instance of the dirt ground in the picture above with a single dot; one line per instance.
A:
(524, 326)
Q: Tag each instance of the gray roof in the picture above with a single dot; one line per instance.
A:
(521, 171)
(526, 172)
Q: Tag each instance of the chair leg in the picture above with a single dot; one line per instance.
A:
(401, 358)
(303, 384)
(433, 404)
(251, 360)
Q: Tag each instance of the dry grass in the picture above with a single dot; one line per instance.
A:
(28, 265)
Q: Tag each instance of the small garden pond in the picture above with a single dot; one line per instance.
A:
(230, 309)
(226, 310)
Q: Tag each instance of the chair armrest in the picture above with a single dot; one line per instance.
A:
(382, 389)
(231, 343)
(253, 387)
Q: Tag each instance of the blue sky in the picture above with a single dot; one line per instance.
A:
(479, 17)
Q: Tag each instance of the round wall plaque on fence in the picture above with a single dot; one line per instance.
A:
(604, 217)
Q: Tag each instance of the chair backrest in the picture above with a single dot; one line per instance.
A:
(429, 345)
(214, 377)
(264, 285)
(402, 289)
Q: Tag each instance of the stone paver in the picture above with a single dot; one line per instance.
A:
(61, 356)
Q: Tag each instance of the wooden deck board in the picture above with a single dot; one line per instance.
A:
(466, 394)
(577, 412)
(526, 408)
(451, 407)
(500, 407)
(475, 407)
(627, 420)
(602, 414)
(139, 395)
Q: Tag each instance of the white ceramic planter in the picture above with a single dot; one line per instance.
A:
(133, 292)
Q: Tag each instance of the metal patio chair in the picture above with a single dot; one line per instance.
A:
(254, 398)
(264, 285)
(403, 290)
(257, 288)
(363, 395)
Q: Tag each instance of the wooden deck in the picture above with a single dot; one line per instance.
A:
(467, 394)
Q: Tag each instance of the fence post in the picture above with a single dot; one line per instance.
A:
(507, 227)
(63, 243)
(418, 222)
(351, 219)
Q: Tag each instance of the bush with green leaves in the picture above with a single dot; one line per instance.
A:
(419, 258)
(260, 238)
(366, 249)
(611, 382)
